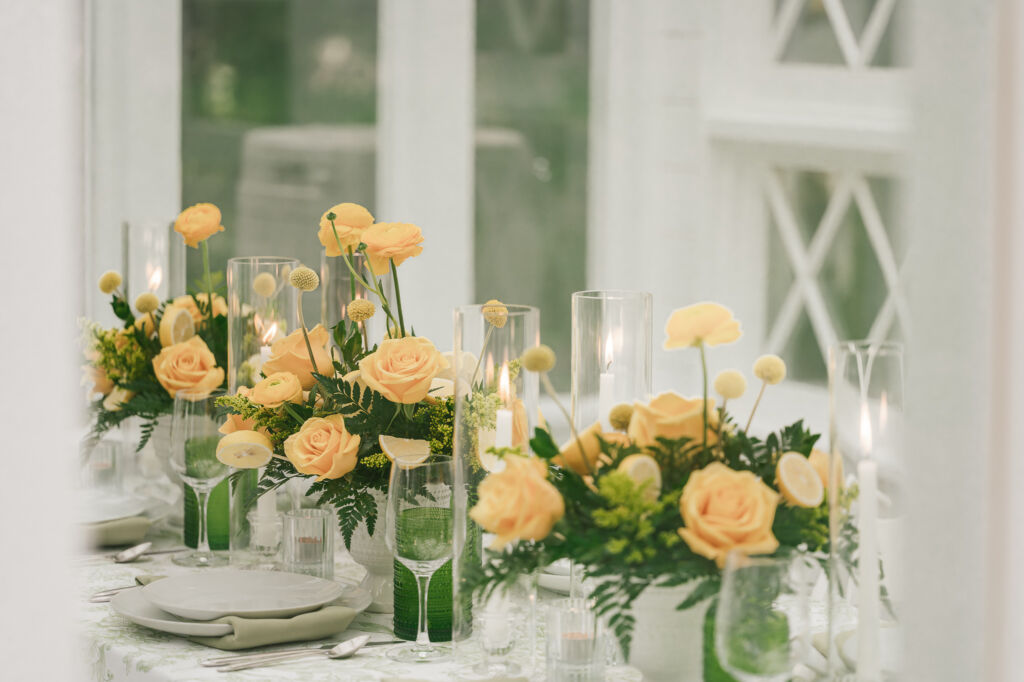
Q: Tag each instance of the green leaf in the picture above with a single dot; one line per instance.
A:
(543, 444)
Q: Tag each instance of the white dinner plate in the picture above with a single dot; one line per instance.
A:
(560, 567)
(555, 583)
(139, 610)
(250, 594)
(97, 508)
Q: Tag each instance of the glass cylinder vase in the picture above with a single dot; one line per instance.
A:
(152, 258)
(867, 508)
(611, 353)
(338, 288)
(496, 406)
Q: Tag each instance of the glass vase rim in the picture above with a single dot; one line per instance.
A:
(268, 260)
(512, 308)
(863, 345)
(614, 294)
(306, 513)
(200, 394)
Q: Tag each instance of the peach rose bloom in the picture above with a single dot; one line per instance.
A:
(387, 242)
(402, 370)
(587, 460)
(323, 447)
(197, 223)
(518, 503)
(350, 220)
(187, 365)
(290, 355)
(725, 510)
(708, 323)
(220, 306)
(670, 415)
(95, 376)
(276, 390)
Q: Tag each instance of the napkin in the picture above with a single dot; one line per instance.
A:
(126, 531)
(253, 632)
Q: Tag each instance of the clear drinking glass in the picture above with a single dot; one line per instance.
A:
(575, 648)
(308, 543)
(194, 438)
(419, 533)
(761, 623)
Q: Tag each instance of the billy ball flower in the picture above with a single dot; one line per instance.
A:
(730, 384)
(770, 369)
(147, 302)
(109, 281)
(264, 284)
(539, 359)
(495, 312)
(361, 310)
(304, 279)
(620, 416)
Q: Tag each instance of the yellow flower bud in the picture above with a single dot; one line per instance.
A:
(361, 310)
(495, 312)
(109, 281)
(147, 302)
(264, 284)
(620, 416)
(539, 359)
(304, 279)
(730, 384)
(770, 369)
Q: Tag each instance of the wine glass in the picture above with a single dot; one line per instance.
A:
(761, 624)
(194, 438)
(419, 534)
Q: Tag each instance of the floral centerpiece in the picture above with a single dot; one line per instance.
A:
(664, 497)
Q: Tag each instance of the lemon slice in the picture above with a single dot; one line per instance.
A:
(799, 481)
(490, 462)
(176, 326)
(643, 469)
(245, 450)
(405, 452)
(819, 460)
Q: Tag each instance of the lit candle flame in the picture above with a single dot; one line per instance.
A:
(608, 351)
(154, 277)
(865, 430)
(504, 385)
(883, 412)
(269, 335)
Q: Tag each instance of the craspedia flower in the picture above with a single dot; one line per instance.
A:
(304, 279)
(539, 359)
(264, 284)
(361, 310)
(109, 281)
(770, 369)
(620, 415)
(495, 312)
(730, 384)
(147, 302)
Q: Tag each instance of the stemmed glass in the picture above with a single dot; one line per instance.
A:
(761, 624)
(194, 438)
(419, 534)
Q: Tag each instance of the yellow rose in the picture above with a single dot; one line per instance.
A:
(220, 306)
(276, 390)
(290, 355)
(708, 323)
(197, 223)
(402, 370)
(387, 242)
(518, 503)
(323, 447)
(725, 510)
(350, 220)
(187, 365)
(572, 458)
(670, 415)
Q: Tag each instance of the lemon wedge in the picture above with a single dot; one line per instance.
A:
(643, 469)
(819, 460)
(799, 480)
(176, 325)
(405, 452)
(245, 450)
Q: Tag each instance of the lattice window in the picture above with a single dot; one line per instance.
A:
(856, 33)
(836, 255)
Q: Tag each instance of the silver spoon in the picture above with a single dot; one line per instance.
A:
(342, 650)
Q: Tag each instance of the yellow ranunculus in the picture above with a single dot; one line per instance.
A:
(670, 415)
(291, 355)
(402, 370)
(350, 221)
(197, 223)
(323, 447)
(518, 503)
(391, 242)
(276, 390)
(571, 457)
(724, 510)
(220, 306)
(708, 323)
(188, 365)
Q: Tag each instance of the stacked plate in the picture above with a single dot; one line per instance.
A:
(556, 577)
(184, 604)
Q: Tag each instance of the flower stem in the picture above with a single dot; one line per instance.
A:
(209, 283)
(398, 295)
(305, 335)
(483, 349)
(704, 371)
(375, 288)
(754, 409)
(565, 413)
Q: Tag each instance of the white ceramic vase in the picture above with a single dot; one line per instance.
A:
(668, 644)
(372, 553)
